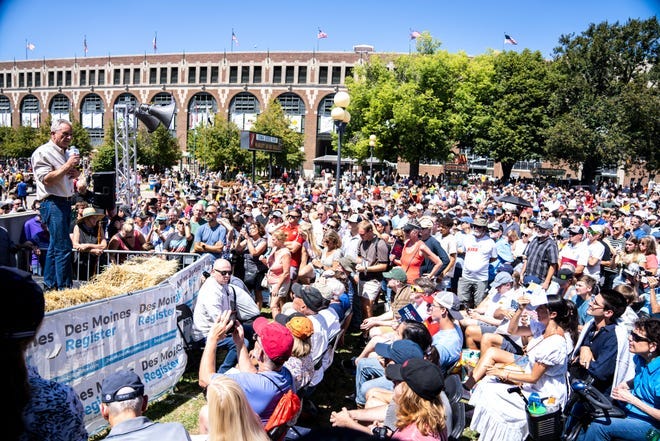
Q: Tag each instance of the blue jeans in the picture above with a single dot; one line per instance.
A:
(628, 428)
(57, 268)
(369, 373)
(231, 359)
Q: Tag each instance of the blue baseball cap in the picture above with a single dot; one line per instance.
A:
(399, 351)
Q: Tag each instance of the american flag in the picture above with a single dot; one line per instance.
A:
(321, 34)
(509, 40)
(155, 42)
(85, 45)
(234, 38)
(414, 35)
(30, 46)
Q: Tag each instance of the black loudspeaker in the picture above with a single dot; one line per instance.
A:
(152, 115)
(104, 190)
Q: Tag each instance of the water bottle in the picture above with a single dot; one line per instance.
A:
(535, 405)
(653, 435)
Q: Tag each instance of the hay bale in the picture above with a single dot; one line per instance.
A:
(133, 275)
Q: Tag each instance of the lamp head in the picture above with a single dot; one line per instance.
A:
(338, 114)
(342, 99)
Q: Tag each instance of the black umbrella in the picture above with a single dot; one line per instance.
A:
(515, 200)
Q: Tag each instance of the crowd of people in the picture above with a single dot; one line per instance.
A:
(559, 285)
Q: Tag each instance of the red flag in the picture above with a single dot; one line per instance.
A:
(321, 34)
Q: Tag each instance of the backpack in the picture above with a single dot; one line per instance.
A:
(284, 415)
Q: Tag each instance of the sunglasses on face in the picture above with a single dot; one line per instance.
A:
(637, 338)
(222, 272)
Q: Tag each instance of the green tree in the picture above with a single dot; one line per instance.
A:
(509, 124)
(409, 107)
(158, 150)
(273, 122)
(23, 142)
(217, 145)
(103, 158)
(605, 106)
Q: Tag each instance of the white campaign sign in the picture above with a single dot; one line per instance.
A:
(80, 346)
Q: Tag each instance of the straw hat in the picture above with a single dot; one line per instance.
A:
(88, 213)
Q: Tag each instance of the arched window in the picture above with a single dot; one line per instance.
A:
(243, 110)
(5, 111)
(129, 100)
(60, 106)
(201, 110)
(30, 111)
(163, 99)
(325, 122)
(91, 115)
(294, 108)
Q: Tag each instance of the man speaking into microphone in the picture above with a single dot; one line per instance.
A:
(54, 171)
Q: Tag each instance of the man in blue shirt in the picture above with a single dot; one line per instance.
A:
(210, 237)
(595, 353)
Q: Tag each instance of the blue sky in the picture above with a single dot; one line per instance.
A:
(121, 27)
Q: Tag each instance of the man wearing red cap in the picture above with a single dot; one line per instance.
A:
(263, 383)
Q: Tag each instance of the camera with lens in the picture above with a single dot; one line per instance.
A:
(381, 432)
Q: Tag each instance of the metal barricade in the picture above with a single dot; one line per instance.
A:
(86, 265)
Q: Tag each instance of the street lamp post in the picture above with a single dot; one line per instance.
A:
(341, 118)
(372, 144)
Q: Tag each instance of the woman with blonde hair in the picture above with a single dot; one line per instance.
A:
(279, 271)
(300, 363)
(230, 417)
(647, 246)
(420, 414)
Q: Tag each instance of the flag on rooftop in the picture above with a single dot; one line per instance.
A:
(234, 38)
(85, 45)
(509, 40)
(414, 35)
(321, 34)
(155, 41)
(30, 46)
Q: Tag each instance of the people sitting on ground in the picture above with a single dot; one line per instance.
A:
(123, 403)
(370, 371)
(300, 363)
(639, 396)
(448, 340)
(230, 416)
(261, 372)
(500, 415)
(488, 315)
(420, 414)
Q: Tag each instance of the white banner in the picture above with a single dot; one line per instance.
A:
(80, 346)
(326, 124)
(295, 122)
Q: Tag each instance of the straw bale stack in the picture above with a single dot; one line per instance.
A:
(133, 275)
